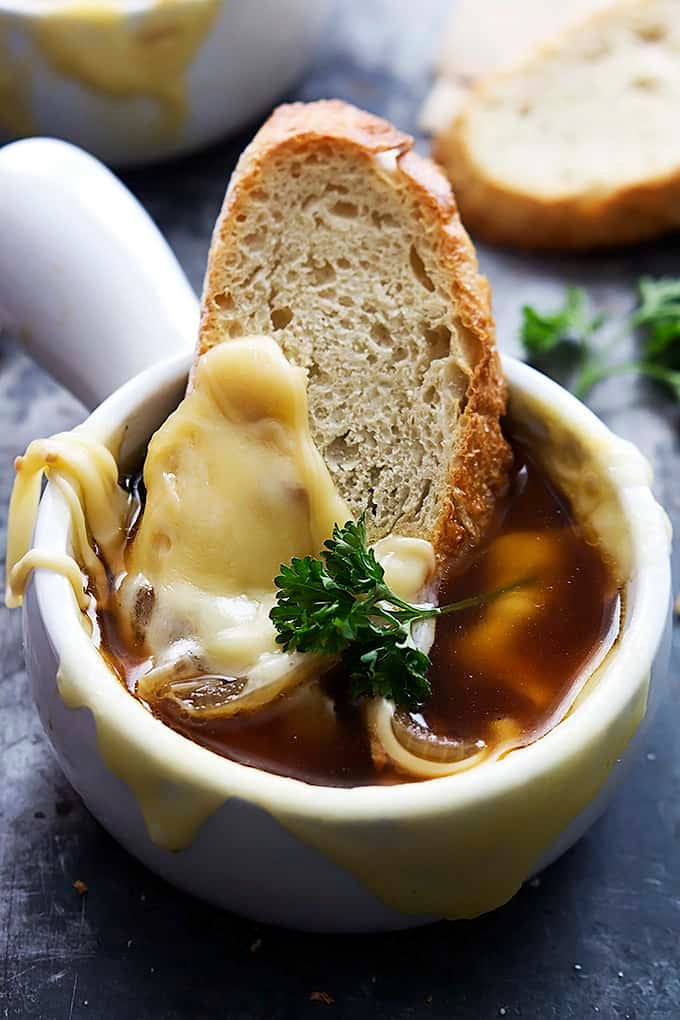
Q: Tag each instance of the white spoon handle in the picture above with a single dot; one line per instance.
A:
(85, 276)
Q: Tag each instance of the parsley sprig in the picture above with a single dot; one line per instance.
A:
(340, 606)
(561, 342)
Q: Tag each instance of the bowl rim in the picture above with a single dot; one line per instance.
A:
(623, 676)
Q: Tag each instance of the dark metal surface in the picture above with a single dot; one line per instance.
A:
(597, 935)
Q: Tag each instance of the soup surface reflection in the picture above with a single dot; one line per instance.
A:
(521, 658)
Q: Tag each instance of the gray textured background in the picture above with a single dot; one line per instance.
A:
(597, 935)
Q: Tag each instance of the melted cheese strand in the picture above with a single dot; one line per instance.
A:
(85, 554)
(23, 509)
(59, 563)
(89, 468)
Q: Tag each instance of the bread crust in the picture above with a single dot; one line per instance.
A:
(481, 457)
(507, 217)
(294, 128)
(502, 215)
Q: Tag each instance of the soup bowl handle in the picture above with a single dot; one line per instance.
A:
(89, 283)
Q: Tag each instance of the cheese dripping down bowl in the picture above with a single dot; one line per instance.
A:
(139, 80)
(283, 851)
(270, 847)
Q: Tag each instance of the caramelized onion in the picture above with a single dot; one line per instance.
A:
(182, 662)
(204, 695)
(416, 751)
(184, 678)
(422, 757)
(421, 741)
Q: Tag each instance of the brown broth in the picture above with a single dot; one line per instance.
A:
(486, 665)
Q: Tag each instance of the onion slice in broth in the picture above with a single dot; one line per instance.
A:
(205, 696)
(208, 695)
(417, 739)
(417, 752)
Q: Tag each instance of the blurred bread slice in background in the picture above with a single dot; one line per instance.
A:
(484, 36)
(579, 147)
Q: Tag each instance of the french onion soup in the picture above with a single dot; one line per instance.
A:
(507, 670)
(232, 592)
(332, 564)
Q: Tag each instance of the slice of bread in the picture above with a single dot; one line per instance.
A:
(346, 247)
(579, 148)
(486, 36)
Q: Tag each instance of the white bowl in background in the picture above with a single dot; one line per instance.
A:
(139, 80)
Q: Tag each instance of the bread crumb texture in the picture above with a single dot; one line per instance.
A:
(577, 148)
(485, 36)
(347, 248)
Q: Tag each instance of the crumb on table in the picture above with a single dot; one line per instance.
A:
(324, 997)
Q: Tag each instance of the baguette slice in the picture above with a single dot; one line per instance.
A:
(486, 36)
(580, 147)
(346, 247)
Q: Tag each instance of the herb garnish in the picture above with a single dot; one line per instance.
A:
(340, 605)
(561, 342)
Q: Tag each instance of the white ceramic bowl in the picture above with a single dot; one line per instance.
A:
(277, 849)
(138, 80)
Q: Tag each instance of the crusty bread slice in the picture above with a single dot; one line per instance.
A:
(487, 36)
(347, 248)
(579, 148)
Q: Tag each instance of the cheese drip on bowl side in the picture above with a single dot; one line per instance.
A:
(84, 469)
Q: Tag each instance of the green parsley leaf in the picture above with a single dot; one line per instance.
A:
(543, 332)
(339, 606)
(349, 559)
(313, 613)
(385, 663)
(657, 319)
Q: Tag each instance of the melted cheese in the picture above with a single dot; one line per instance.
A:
(178, 786)
(85, 470)
(235, 487)
(112, 52)
(106, 50)
(409, 565)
